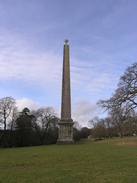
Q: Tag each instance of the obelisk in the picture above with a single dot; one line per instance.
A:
(65, 135)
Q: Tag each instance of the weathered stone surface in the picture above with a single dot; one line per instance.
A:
(66, 100)
(66, 123)
(65, 133)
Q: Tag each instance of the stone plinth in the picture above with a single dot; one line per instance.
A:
(65, 132)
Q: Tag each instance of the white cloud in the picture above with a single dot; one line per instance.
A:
(25, 102)
(32, 105)
(83, 111)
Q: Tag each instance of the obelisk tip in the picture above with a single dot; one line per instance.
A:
(66, 41)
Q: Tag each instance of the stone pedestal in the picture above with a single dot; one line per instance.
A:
(65, 133)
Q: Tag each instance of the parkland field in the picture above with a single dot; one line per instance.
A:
(87, 161)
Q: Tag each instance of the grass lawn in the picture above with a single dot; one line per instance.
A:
(87, 161)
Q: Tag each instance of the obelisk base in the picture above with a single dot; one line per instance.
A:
(65, 133)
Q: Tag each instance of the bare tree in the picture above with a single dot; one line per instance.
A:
(126, 93)
(45, 120)
(98, 127)
(117, 111)
(6, 107)
(110, 127)
(12, 124)
(118, 119)
(124, 99)
(127, 87)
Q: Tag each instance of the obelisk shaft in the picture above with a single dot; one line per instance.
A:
(66, 99)
(65, 135)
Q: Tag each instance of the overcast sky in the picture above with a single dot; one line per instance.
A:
(102, 37)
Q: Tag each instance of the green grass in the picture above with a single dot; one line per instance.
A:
(106, 161)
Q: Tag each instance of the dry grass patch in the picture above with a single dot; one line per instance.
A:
(127, 144)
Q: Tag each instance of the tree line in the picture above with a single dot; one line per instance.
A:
(30, 128)
(26, 128)
(121, 108)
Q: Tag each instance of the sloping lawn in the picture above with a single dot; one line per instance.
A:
(87, 161)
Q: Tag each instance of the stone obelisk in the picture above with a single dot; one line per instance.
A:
(65, 135)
